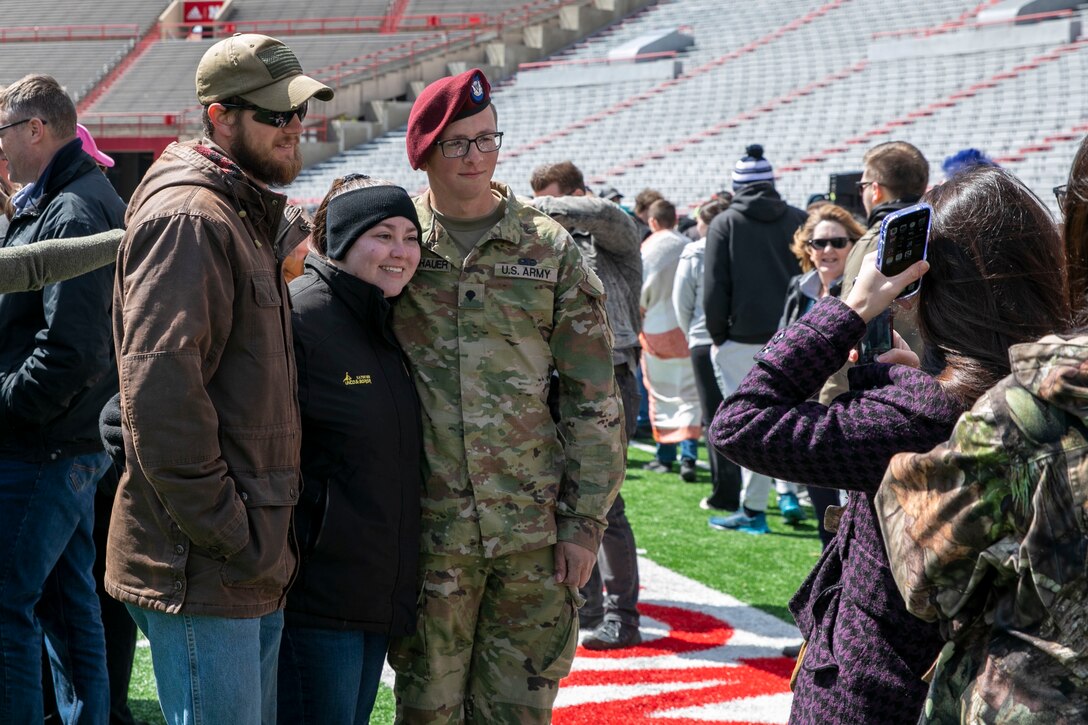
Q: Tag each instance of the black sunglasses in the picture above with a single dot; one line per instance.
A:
(836, 242)
(279, 119)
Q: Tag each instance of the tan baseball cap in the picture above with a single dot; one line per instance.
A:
(260, 69)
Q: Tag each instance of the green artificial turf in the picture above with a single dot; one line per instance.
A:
(669, 526)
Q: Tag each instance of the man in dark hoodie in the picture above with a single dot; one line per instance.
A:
(200, 549)
(748, 265)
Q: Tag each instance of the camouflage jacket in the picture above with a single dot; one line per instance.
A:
(988, 534)
(483, 335)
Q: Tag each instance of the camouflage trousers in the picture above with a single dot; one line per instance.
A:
(493, 638)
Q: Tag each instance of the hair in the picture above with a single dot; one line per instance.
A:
(342, 185)
(899, 167)
(645, 198)
(1075, 212)
(40, 96)
(711, 209)
(825, 212)
(564, 173)
(996, 278)
(663, 212)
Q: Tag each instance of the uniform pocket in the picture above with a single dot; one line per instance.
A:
(408, 655)
(561, 653)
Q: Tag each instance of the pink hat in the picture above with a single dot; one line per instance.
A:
(92, 148)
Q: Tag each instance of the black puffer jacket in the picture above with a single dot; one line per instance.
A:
(56, 347)
(358, 518)
(748, 265)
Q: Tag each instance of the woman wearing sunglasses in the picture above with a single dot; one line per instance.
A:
(996, 278)
(821, 245)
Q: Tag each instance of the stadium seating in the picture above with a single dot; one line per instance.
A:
(77, 65)
(792, 75)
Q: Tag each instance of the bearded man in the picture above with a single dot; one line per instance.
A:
(199, 547)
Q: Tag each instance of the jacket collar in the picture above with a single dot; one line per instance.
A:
(366, 301)
(1054, 369)
(67, 164)
(882, 210)
(509, 229)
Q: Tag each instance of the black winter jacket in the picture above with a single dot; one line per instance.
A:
(748, 265)
(57, 366)
(358, 519)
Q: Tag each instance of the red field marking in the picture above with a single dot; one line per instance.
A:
(688, 632)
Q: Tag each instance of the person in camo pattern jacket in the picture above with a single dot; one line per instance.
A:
(865, 654)
(987, 533)
(514, 504)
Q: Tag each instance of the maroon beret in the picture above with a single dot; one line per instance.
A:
(440, 104)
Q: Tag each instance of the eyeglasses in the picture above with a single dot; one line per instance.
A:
(1060, 192)
(455, 148)
(6, 126)
(836, 242)
(862, 184)
(279, 119)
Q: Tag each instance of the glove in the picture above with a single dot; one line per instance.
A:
(109, 428)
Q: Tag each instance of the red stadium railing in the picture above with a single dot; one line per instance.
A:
(954, 25)
(392, 22)
(39, 33)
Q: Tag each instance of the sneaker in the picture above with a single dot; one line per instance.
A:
(656, 466)
(612, 635)
(687, 470)
(790, 508)
(741, 521)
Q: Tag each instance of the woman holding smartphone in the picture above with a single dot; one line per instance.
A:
(986, 532)
(995, 279)
(357, 520)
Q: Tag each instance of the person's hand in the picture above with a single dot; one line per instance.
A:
(900, 354)
(573, 564)
(873, 292)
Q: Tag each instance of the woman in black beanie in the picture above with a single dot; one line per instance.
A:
(357, 521)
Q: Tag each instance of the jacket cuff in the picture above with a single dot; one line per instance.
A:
(584, 532)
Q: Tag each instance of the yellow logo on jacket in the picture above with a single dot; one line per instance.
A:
(350, 379)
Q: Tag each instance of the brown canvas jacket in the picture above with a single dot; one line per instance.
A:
(201, 522)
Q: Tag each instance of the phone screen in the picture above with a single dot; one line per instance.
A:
(877, 339)
(904, 239)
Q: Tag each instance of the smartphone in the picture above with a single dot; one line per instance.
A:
(878, 338)
(904, 239)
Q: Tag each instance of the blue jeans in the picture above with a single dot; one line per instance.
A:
(46, 555)
(329, 676)
(689, 451)
(212, 670)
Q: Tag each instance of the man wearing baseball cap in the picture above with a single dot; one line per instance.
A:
(502, 311)
(199, 547)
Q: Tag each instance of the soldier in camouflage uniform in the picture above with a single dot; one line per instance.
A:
(514, 504)
(987, 535)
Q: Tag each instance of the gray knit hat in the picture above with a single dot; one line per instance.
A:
(752, 169)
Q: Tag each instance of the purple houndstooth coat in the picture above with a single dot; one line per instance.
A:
(866, 654)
